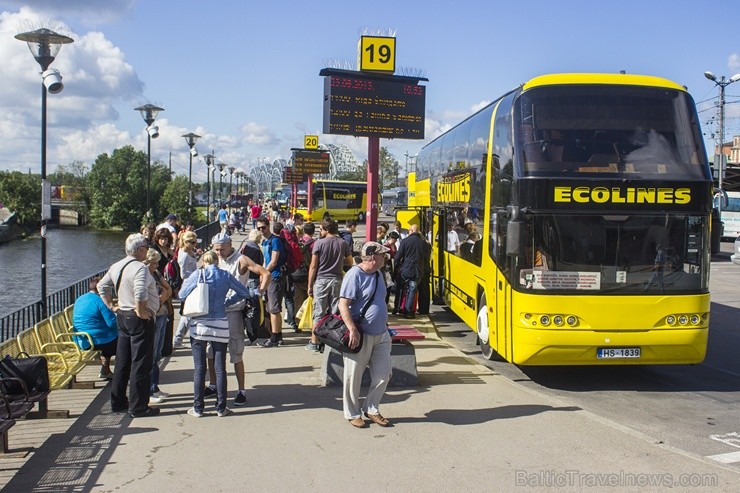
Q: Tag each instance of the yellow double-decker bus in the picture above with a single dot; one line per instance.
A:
(570, 222)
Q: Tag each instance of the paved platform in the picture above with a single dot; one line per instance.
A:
(463, 428)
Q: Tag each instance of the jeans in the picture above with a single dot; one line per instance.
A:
(134, 356)
(199, 377)
(161, 325)
(411, 285)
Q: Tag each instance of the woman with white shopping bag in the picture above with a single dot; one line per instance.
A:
(209, 285)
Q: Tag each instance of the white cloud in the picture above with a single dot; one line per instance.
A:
(256, 134)
(733, 63)
(90, 12)
(96, 77)
(479, 106)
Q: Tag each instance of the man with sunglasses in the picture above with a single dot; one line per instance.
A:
(275, 258)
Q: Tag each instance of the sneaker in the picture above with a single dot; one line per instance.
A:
(240, 399)
(296, 329)
(247, 342)
(155, 400)
(177, 343)
(267, 343)
(225, 412)
(150, 411)
(159, 395)
(106, 374)
(280, 342)
(209, 392)
(195, 413)
(313, 347)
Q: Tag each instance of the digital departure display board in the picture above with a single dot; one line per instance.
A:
(306, 161)
(373, 107)
(289, 176)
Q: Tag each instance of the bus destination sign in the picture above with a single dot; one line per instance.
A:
(373, 107)
(306, 161)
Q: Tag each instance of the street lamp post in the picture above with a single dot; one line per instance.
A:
(149, 114)
(45, 45)
(221, 167)
(722, 83)
(210, 159)
(231, 178)
(191, 138)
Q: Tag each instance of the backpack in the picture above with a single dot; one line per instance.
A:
(301, 273)
(293, 257)
(172, 273)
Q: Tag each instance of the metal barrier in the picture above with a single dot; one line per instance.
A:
(13, 324)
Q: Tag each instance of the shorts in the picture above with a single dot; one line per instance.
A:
(275, 293)
(236, 336)
(107, 349)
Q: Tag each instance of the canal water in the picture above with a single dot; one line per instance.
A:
(72, 254)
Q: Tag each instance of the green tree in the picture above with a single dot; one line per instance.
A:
(388, 169)
(21, 192)
(175, 199)
(117, 187)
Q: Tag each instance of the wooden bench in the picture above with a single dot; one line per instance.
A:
(403, 360)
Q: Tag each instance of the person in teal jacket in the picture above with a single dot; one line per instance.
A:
(92, 316)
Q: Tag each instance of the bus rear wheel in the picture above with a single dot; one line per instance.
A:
(481, 327)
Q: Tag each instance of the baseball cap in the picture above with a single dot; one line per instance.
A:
(171, 217)
(373, 247)
(220, 239)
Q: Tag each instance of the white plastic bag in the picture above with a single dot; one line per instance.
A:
(196, 304)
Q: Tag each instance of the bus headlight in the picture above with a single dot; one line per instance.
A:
(683, 319)
(571, 320)
(671, 320)
(695, 319)
(545, 320)
(558, 320)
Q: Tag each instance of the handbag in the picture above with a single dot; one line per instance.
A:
(196, 304)
(332, 331)
(32, 370)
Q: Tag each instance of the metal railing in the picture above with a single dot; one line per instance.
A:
(14, 323)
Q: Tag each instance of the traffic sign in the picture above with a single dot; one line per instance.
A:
(310, 161)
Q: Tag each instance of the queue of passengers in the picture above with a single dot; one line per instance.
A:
(339, 279)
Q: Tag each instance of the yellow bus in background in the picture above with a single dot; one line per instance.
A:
(341, 200)
(570, 222)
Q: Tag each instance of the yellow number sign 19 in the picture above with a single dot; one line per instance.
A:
(377, 54)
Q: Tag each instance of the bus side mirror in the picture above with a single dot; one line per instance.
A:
(514, 238)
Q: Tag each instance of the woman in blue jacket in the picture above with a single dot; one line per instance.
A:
(212, 327)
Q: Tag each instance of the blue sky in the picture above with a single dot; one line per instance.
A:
(244, 74)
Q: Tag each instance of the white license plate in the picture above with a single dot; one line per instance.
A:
(618, 352)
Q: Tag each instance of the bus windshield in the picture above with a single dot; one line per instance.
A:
(629, 254)
(643, 132)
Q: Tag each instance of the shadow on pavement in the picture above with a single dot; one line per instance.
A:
(461, 417)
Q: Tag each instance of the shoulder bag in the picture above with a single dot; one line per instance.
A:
(332, 331)
(196, 304)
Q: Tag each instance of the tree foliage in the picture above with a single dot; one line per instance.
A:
(387, 167)
(175, 199)
(21, 192)
(117, 187)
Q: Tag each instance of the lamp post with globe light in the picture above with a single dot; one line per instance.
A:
(45, 45)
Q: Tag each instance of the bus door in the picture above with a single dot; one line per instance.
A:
(502, 308)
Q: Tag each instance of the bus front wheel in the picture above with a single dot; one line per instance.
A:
(482, 329)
